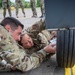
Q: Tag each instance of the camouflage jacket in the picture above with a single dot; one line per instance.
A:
(40, 36)
(40, 41)
(16, 55)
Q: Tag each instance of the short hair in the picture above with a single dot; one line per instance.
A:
(13, 22)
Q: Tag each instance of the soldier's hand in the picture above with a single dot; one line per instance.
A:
(51, 48)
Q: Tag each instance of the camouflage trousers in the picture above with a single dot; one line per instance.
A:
(5, 7)
(33, 7)
(42, 7)
(22, 7)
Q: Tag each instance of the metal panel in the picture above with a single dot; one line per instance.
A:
(60, 13)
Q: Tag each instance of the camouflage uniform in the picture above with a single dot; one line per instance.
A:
(17, 56)
(33, 7)
(39, 42)
(6, 5)
(19, 3)
(39, 35)
(42, 8)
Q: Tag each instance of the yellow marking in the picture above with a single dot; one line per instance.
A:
(67, 71)
(73, 70)
(70, 71)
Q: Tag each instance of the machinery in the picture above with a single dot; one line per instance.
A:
(60, 16)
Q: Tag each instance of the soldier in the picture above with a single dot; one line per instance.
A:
(19, 3)
(33, 7)
(42, 8)
(34, 38)
(10, 29)
(6, 5)
(31, 44)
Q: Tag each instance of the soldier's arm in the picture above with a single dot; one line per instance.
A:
(22, 61)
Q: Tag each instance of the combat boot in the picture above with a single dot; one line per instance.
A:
(42, 16)
(34, 16)
(17, 16)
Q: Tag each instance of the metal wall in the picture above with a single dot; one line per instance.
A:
(60, 13)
